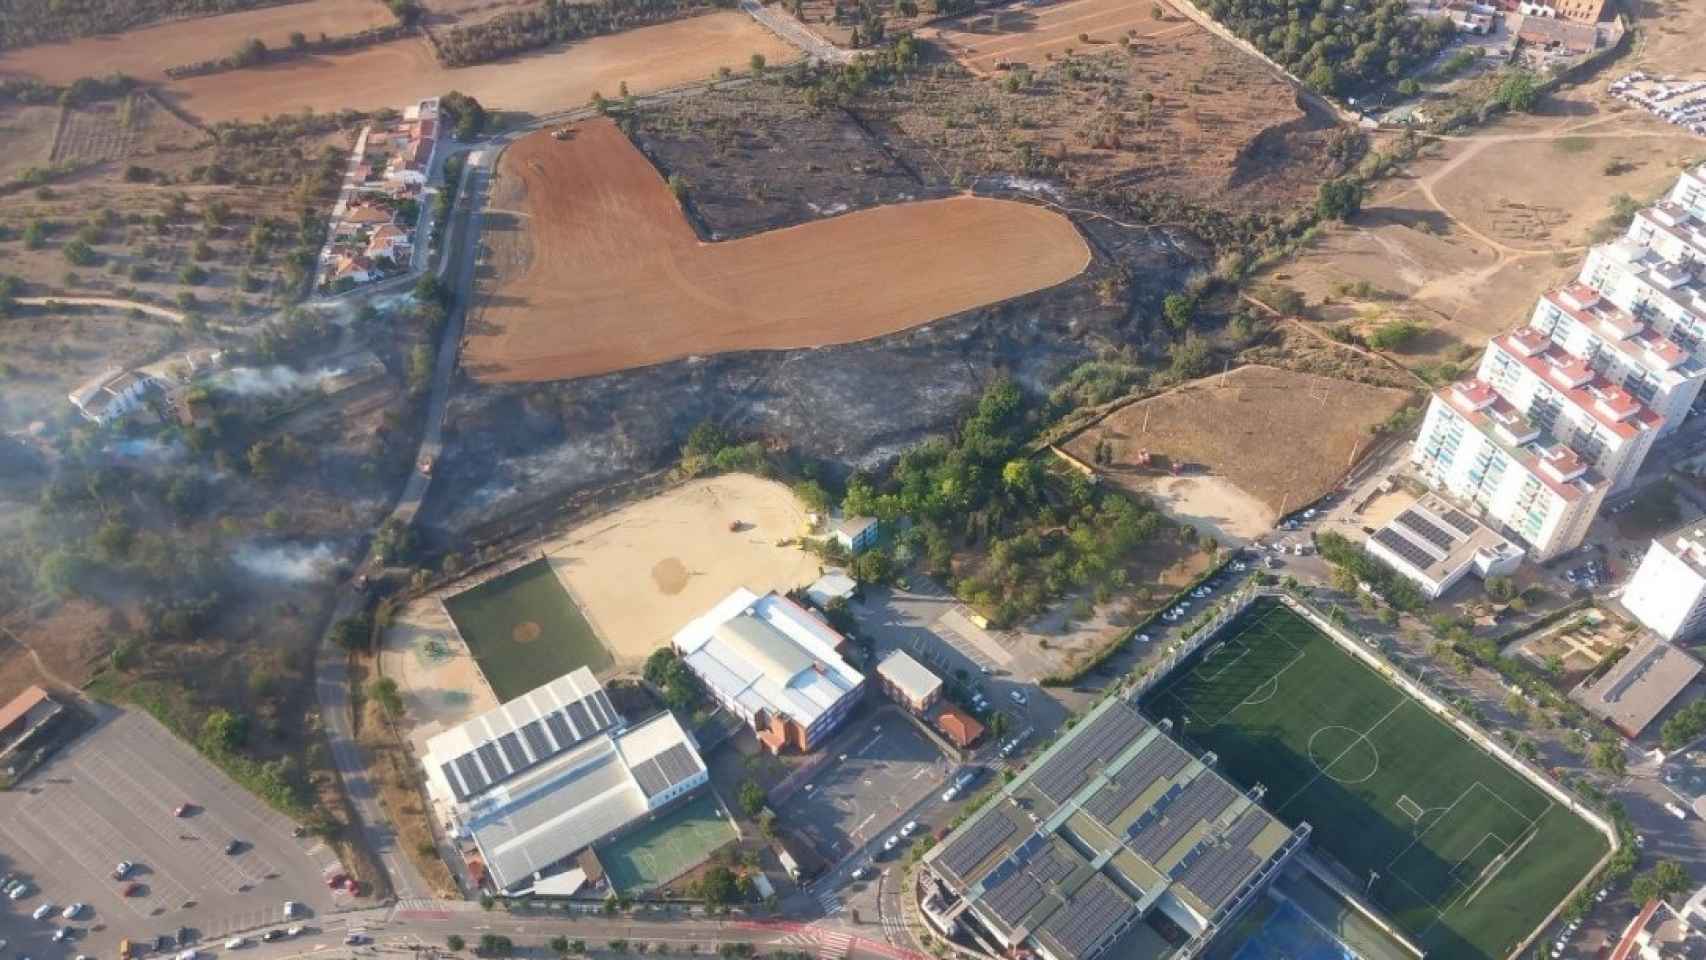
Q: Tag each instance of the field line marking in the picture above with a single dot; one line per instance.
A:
(1322, 771)
(1500, 797)
(1495, 868)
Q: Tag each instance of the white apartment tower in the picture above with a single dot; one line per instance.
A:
(1478, 448)
(1626, 351)
(1668, 591)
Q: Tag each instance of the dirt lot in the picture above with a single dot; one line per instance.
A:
(1178, 113)
(1221, 430)
(147, 52)
(1034, 35)
(614, 231)
(393, 74)
(440, 683)
(46, 355)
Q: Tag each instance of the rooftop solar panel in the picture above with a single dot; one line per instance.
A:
(517, 757)
(1204, 798)
(651, 778)
(1161, 758)
(471, 775)
(978, 841)
(1067, 771)
(1091, 918)
(582, 720)
(1397, 543)
(560, 729)
(1224, 867)
(493, 763)
(611, 717)
(1426, 529)
(537, 741)
(455, 782)
(1462, 521)
(676, 764)
(1019, 884)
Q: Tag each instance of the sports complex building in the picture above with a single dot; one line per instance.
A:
(536, 780)
(1113, 824)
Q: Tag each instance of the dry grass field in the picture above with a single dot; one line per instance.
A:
(393, 74)
(984, 42)
(598, 270)
(147, 52)
(1223, 428)
(28, 133)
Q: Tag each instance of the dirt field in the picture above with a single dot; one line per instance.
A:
(640, 573)
(586, 229)
(28, 132)
(436, 675)
(1220, 431)
(146, 53)
(1033, 35)
(393, 74)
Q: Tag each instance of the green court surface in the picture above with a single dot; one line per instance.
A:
(524, 630)
(668, 847)
(1460, 850)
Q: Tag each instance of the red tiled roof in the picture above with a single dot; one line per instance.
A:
(959, 726)
(22, 704)
(1571, 376)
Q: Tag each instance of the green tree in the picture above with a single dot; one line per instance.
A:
(455, 941)
(1179, 310)
(1665, 880)
(1409, 87)
(1338, 199)
(353, 632)
(751, 798)
(1608, 756)
(1518, 91)
(757, 63)
(224, 731)
(384, 692)
(79, 253)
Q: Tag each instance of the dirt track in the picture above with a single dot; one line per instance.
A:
(395, 74)
(597, 269)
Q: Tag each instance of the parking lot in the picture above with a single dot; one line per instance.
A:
(859, 794)
(112, 796)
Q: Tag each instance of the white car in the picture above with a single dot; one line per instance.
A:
(858, 873)
(295, 931)
(291, 909)
(1017, 697)
(949, 794)
(892, 842)
(60, 934)
(236, 942)
(1143, 638)
(910, 828)
(43, 912)
(71, 912)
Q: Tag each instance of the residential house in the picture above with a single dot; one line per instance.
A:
(857, 533)
(109, 395)
(960, 727)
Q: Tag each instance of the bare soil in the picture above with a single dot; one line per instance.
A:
(1225, 427)
(997, 40)
(145, 53)
(585, 228)
(28, 132)
(560, 78)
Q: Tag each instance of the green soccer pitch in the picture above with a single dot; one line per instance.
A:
(1461, 851)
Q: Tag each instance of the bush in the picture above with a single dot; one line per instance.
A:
(496, 945)
(751, 798)
(455, 941)
(1338, 199)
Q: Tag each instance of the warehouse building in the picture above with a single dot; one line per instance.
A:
(775, 665)
(1633, 693)
(1114, 826)
(538, 779)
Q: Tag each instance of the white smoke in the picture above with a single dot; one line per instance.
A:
(299, 563)
(273, 381)
(146, 448)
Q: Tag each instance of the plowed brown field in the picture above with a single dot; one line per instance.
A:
(597, 269)
(394, 74)
(1030, 35)
(145, 53)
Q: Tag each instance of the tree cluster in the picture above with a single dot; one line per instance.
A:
(1356, 563)
(1339, 50)
(680, 687)
(552, 22)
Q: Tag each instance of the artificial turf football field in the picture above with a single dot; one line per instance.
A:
(1462, 852)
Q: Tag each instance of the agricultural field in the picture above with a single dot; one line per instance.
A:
(1176, 113)
(593, 203)
(563, 78)
(29, 135)
(1219, 431)
(146, 52)
(1467, 855)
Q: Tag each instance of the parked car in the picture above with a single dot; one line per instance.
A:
(950, 794)
(291, 909)
(132, 889)
(270, 935)
(123, 869)
(236, 942)
(233, 847)
(1017, 697)
(295, 931)
(910, 828)
(354, 937)
(859, 873)
(43, 912)
(71, 912)
(892, 842)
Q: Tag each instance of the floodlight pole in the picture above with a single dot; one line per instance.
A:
(1372, 876)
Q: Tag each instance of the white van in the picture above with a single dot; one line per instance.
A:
(189, 954)
(1676, 810)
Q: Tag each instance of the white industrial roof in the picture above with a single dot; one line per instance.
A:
(912, 677)
(768, 653)
(553, 810)
(514, 736)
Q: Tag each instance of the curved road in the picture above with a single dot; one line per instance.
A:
(331, 675)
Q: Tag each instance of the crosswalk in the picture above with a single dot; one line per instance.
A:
(830, 902)
(826, 944)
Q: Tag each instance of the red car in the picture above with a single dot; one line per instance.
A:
(133, 889)
(337, 880)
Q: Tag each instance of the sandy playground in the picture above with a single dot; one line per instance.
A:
(598, 270)
(641, 572)
(440, 684)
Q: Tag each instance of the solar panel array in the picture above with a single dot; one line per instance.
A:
(534, 742)
(1205, 797)
(1161, 758)
(1223, 867)
(1016, 886)
(1068, 770)
(1462, 521)
(1403, 547)
(979, 840)
(1091, 918)
(665, 770)
(1426, 529)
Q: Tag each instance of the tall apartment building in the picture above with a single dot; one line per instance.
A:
(1668, 591)
(1659, 292)
(1690, 192)
(1562, 395)
(1477, 447)
(1624, 350)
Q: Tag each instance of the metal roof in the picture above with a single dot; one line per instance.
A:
(512, 737)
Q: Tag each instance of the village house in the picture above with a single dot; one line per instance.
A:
(109, 395)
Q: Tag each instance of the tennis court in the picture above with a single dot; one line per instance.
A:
(1461, 851)
(668, 847)
(524, 630)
